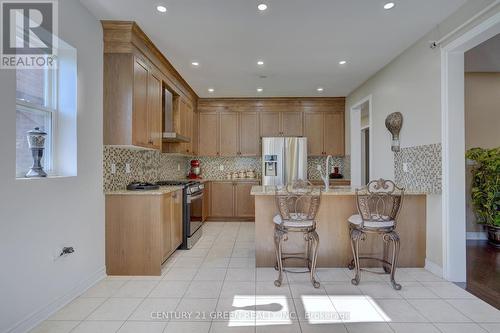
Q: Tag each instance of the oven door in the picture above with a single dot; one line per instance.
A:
(195, 212)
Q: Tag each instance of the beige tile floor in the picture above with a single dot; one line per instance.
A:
(215, 287)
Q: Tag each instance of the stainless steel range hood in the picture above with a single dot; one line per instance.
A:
(169, 134)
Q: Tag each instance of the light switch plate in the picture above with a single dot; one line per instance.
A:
(405, 167)
(127, 168)
(178, 167)
(113, 168)
(221, 167)
(318, 167)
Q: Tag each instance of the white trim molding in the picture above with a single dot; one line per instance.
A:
(355, 124)
(480, 235)
(45, 312)
(453, 139)
(433, 268)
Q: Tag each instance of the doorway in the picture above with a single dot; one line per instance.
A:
(453, 138)
(361, 138)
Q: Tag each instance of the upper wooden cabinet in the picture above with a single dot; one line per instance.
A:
(228, 134)
(284, 123)
(135, 74)
(249, 134)
(325, 133)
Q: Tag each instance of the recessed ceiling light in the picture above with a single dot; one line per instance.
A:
(343, 62)
(211, 90)
(260, 63)
(320, 89)
(195, 63)
(260, 90)
(389, 5)
(262, 7)
(161, 9)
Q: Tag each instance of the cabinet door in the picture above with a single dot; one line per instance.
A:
(155, 111)
(208, 134)
(270, 124)
(166, 227)
(249, 134)
(194, 136)
(314, 124)
(221, 199)
(206, 201)
(334, 133)
(140, 127)
(228, 133)
(291, 123)
(176, 219)
(186, 123)
(244, 202)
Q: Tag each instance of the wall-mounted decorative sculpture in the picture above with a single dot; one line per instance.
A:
(394, 122)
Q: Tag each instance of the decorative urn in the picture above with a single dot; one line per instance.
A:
(394, 122)
(36, 142)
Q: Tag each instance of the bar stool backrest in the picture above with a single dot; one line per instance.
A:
(379, 201)
(298, 202)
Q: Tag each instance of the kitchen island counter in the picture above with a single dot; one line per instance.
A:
(337, 205)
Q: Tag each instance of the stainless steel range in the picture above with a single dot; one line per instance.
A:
(192, 201)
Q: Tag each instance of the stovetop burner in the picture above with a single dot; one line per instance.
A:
(142, 186)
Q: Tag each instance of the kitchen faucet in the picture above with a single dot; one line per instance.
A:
(326, 176)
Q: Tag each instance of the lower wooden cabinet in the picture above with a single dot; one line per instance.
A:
(142, 231)
(232, 200)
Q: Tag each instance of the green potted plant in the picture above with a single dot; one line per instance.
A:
(485, 193)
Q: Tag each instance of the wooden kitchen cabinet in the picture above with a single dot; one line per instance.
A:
(291, 123)
(206, 201)
(244, 203)
(208, 140)
(232, 200)
(142, 231)
(228, 134)
(325, 133)
(155, 110)
(221, 199)
(249, 138)
(270, 124)
(334, 134)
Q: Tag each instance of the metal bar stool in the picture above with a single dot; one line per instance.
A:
(379, 204)
(298, 205)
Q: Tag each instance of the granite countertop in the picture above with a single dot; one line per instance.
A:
(162, 190)
(334, 190)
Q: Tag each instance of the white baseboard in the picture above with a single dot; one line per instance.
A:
(45, 312)
(433, 268)
(481, 235)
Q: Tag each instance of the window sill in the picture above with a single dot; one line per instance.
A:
(43, 178)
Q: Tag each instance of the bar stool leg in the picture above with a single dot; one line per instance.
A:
(387, 268)
(278, 243)
(356, 236)
(394, 237)
(315, 245)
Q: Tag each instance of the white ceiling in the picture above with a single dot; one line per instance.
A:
(301, 41)
(485, 57)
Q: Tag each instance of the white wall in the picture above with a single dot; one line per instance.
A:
(411, 84)
(38, 217)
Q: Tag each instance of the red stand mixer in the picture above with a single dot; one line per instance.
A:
(195, 172)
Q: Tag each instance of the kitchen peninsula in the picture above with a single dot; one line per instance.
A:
(334, 243)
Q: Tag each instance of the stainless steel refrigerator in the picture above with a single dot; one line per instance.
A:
(284, 159)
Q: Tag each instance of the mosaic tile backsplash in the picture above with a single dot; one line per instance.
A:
(145, 165)
(424, 168)
(151, 165)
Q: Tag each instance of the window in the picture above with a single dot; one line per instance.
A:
(36, 106)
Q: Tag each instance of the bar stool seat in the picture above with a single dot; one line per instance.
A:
(357, 220)
(296, 222)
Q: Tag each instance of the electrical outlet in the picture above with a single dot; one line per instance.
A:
(221, 167)
(318, 167)
(113, 168)
(178, 167)
(127, 168)
(405, 167)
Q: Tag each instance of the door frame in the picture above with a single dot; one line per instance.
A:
(355, 133)
(453, 139)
